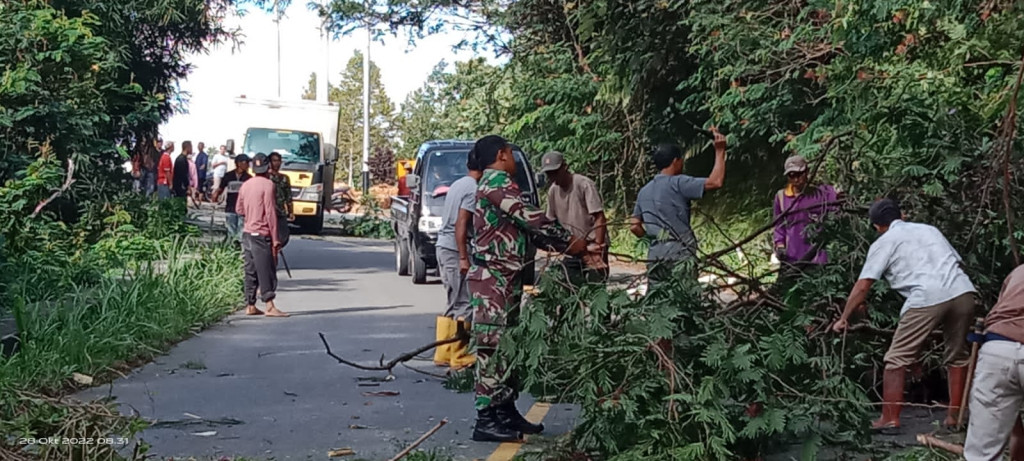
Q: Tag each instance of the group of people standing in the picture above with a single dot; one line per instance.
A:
(257, 204)
(258, 208)
(157, 170)
(482, 249)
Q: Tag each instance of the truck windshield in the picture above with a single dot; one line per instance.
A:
(294, 146)
(444, 167)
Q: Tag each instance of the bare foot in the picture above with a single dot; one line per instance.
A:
(273, 312)
(252, 310)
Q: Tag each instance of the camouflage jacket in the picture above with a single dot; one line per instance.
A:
(282, 193)
(502, 223)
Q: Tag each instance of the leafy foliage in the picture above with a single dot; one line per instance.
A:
(82, 83)
(348, 94)
(382, 166)
(901, 99)
(372, 223)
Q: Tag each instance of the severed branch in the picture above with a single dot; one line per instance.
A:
(420, 440)
(460, 335)
(67, 183)
(932, 442)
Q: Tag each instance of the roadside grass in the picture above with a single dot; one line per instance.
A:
(99, 331)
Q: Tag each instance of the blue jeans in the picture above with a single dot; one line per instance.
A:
(234, 223)
(163, 192)
(147, 182)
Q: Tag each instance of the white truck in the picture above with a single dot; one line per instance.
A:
(305, 133)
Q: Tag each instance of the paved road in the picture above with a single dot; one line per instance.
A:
(291, 399)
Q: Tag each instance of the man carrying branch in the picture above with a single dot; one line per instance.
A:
(662, 211)
(919, 263)
(573, 201)
(502, 222)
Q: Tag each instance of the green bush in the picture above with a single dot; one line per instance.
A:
(96, 329)
(673, 375)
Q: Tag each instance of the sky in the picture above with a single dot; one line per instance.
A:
(223, 74)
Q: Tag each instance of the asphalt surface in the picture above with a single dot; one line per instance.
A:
(265, 388)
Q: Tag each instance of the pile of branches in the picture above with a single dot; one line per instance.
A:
(686, 372)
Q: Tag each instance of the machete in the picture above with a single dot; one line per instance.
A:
(285, 261)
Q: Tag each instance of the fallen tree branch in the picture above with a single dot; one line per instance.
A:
(68, 181)
(461, 335)
(420, 440)
(932, 442)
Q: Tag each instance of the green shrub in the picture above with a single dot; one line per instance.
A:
(95, 329)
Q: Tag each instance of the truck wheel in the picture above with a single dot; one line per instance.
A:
(316, 223)
(529, 274)
(419, 268)
(401, 257)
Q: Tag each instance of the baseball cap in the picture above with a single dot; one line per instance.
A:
(795, 164)
(260, 163)
(551, 161)
(884, 212)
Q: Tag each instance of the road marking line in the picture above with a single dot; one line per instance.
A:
(508, 450)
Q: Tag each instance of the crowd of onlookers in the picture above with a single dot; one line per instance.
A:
(187, 173)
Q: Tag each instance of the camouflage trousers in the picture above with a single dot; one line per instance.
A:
(495, 297)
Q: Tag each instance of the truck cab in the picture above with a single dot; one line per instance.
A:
(305, 134)
(416, 217)
(311, 177)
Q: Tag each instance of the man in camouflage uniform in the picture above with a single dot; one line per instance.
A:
(501, 223)
(282, 197)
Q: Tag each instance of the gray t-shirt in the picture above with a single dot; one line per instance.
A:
(919, 263)
(461, 196)
(664, 207)
(574, 207)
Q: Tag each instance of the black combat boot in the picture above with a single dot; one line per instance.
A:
(510, 413)
(492, 427)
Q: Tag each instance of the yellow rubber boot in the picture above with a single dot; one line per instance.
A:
(460, 355)
(445, 329)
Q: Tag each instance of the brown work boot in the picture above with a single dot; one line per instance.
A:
(892, 399)
(957, 382)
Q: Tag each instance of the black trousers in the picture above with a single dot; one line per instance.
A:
(260, 273)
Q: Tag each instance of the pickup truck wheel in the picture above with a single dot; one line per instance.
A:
(529, 274)
(401, 257)
(419, 269)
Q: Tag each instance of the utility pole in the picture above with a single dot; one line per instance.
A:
(277, 20)
(366, 111)
(323, 83)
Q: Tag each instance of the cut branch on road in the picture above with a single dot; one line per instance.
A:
(461, 335)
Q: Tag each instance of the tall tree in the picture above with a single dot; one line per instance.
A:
(310, 92)
(349, 96)
(422, 114)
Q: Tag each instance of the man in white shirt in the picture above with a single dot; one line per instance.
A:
(919, 263)
(219, 167)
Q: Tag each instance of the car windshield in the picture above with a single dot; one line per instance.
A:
(443, 167)
(294, 146)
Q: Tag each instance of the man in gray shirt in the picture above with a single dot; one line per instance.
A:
(451, 252)
(662, 211)
(919, 263)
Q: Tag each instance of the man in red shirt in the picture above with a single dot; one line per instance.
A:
(260, 241)
(164, 173)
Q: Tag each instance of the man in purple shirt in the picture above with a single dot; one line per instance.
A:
(807, 206)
